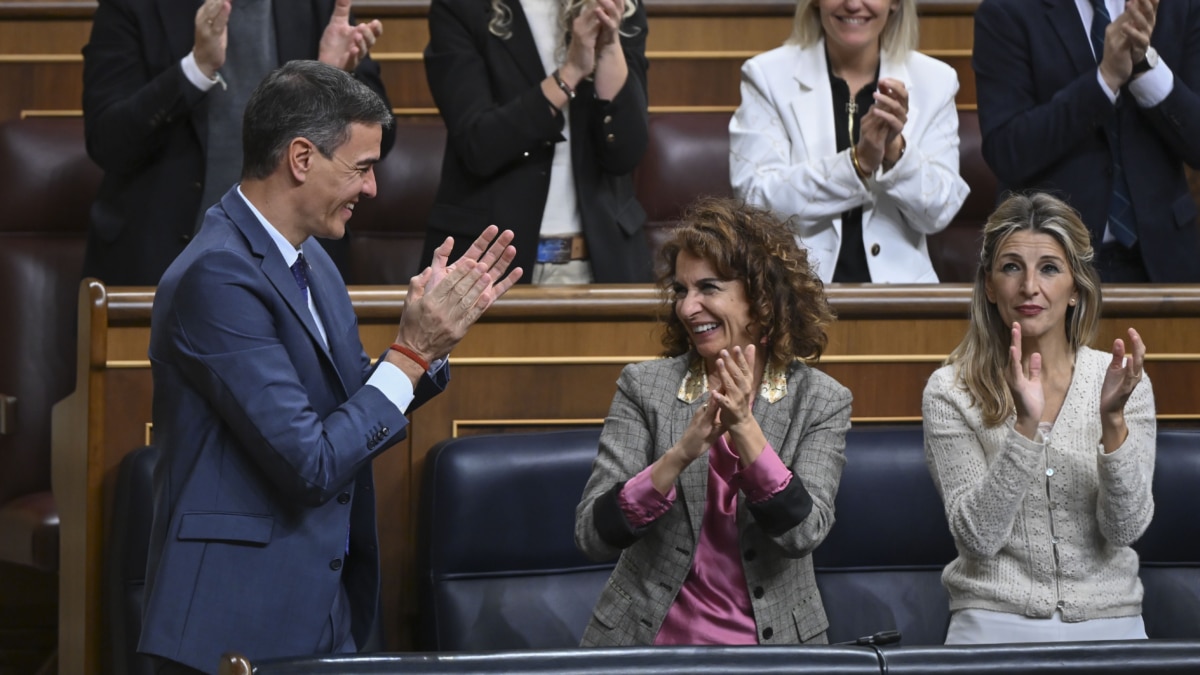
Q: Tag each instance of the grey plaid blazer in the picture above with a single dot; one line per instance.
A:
(807, 428)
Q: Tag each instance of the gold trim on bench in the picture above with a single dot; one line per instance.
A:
(546, 422)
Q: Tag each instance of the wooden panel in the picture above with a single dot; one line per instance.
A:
(541, 358)
(696, 49)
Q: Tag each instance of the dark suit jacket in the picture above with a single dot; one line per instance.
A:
(146, 129)
(806, 427)
(501, 137)
(267, 439)
(1046, 121)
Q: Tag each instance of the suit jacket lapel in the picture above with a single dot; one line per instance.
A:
(811, 105)
(693, 482)
(273, 266)
(522, 47)
(322, 287)
(775, 418)
(1064, 16)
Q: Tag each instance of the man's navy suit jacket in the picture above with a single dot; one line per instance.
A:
(1047, 123)
(267, 439)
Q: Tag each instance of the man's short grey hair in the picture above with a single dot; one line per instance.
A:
(304, 99)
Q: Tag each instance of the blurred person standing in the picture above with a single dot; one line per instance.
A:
(164, 86)
(546, 116)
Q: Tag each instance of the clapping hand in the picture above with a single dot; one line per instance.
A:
(344, 45)
(1123, 374)
(1025, 385)
(880, 140)
(1141, 16)
(735, 387)
(212, 36)
(444, 301)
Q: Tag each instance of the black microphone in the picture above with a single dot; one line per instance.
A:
(883, 637)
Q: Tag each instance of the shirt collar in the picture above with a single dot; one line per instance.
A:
(695, 382)
(290, 253)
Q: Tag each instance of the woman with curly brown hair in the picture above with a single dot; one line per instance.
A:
(718, 465)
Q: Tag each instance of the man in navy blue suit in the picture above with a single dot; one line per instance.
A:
(266, 408)
(1097, 101)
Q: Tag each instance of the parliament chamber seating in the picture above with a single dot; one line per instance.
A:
(1078, 658)
(499, 569)
(503, 591)
(687, 157)
(49, 184)
(125, 560)
(46, 183)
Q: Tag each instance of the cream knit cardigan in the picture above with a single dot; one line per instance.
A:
(1041, 526)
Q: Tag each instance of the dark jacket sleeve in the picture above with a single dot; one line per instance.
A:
(129, 105)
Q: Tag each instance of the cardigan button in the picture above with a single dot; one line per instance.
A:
(759, 592)
(344, 498)
(335, 564)
(874, 249)
(750, 555)
(767, 633)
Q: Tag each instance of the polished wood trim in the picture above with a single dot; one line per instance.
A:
(25, 114)
(84, 9)
(458, 425)
(30, 59)
(59, 9)
(116, 364)
(634, 301)
(77, 471)
(541, 341)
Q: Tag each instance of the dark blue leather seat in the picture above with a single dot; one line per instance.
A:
(128, 545)
(1170, 548)
(880, 568)
(497, 563)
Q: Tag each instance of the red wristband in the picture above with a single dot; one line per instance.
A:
(412, 356)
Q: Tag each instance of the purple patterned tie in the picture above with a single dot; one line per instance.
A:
(300, 272)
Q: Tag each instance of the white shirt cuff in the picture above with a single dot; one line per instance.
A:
(1112, 95)
(195, 75)
(1153, 86)
(394, 384)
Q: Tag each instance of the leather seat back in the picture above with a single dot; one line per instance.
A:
(497, 562)
(47, 184)
(125, 559)
(1170, 548)
(880, 568)
(388, 232)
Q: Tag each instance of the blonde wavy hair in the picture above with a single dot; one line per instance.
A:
(980, 359)
(500, 24)
(900, 35)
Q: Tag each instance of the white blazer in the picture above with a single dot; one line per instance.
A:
(783, 156)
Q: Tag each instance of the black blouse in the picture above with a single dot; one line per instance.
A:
(852, 258)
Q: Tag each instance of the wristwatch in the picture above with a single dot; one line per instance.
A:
(1149, 61)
